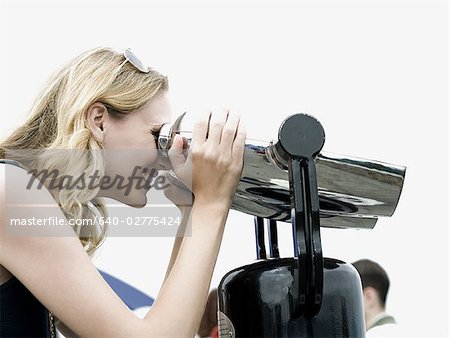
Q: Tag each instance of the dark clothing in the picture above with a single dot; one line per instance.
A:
(21, 314)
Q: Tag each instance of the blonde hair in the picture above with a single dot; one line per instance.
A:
(58, 120)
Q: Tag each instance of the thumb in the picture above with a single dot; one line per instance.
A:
(176, 154)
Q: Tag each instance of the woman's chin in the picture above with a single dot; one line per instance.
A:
(137, 200)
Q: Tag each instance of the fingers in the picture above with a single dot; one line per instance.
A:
(229, 132)
(216, 125)
(176, 154)
(225, 134)
(181, 165)
(239, 143)
(200, 130)
(217, 162)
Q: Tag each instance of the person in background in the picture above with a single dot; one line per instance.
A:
(375, 283)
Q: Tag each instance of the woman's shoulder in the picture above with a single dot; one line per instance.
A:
(22, 196)
(16, 178)
(10, 173)
(7, 166)
(10, 169)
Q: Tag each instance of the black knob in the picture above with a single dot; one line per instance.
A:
(300, 135)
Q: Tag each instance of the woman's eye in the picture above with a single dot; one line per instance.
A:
(155, 134)
(155, 130)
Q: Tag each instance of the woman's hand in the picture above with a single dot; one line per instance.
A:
(181, 197)
(212, 170)
(213, 166)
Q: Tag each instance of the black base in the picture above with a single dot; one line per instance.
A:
(259, 300)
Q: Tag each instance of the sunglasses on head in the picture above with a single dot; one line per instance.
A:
(134, 60)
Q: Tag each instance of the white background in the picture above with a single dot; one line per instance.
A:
(373, 72)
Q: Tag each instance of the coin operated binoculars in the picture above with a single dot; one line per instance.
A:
(303, 296)
(291, 180)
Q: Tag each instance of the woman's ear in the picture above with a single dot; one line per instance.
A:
(96, 117)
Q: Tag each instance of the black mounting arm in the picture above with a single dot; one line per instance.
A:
(260, 240)
(301, 137)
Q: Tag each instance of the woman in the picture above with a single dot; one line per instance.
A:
(103, 102)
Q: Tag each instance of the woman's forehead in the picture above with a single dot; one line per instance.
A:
(157, 111)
